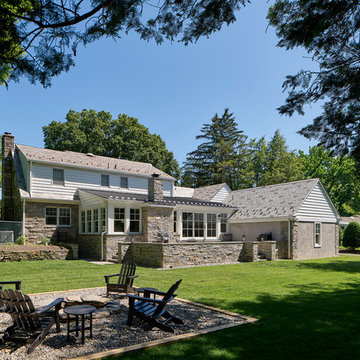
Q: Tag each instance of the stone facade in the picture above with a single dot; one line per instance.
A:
(35, 227)
(89, 246)
(10, 202)
(251, 251)
(268, 248)
(48, 253)
(155, 189)
(168, 255)
(282, 244)
(111, 244)
(303, 246)
(157, 221)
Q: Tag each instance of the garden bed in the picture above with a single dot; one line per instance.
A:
(111, 332)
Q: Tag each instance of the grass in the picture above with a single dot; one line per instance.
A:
(308, 309)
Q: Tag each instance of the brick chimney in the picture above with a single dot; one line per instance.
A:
(8, 145)
(155, 188)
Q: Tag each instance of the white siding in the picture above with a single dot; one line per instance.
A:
(168, 188)
(90, 201)
(41, 185)
(221, 194)
(317, 207)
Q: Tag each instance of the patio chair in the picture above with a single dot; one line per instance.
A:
(125, 279)
(35, 323)
(17, 287)
(153, 310)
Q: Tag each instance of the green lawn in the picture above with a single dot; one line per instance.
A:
(308, 309)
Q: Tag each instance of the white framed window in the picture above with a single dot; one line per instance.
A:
(134, 221)
(198, 225)
(119, 219)
(124, 182)
(187, 224)
(175, 221)
(105, 180)
(83, 222)
(60, 217)
(58, 177)
(96, 220)
(317, 234)
(223, 223)
(211, 225)
(103, 219)
(88, 221)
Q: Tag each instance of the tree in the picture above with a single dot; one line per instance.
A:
(219, 157)
(351, 237)
(330, 32)
(97, 133)
(339, 176)
(273, 162)
(40, 38)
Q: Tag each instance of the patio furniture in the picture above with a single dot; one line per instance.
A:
(79, 310)
(153, 310)
(17, 284)
(125, 279)
(36, 323)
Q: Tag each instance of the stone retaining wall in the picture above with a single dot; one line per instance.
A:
(168, 255)
(250, 252)
(47, 254)
(268, 248)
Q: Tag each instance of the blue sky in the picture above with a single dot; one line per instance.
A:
(172, 89)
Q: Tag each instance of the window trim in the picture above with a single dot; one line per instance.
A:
(57, 216)
(318, 245)
(137, 220)
(101, 180)
(63, 177)
(121, 220)
(127, 182)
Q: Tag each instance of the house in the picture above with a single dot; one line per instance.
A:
(299, 216)
(98, 201)
(111, 207)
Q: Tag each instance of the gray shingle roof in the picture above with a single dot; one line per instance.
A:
(81, 160)
(281, 200)
(171, 201)
(207, 192)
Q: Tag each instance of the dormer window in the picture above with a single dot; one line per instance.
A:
(124, 182)
(105, 181)
(58, 177)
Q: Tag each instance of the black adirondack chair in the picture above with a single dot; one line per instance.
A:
(125, 279)
(153, 310)
(17, 287)
(35, 323)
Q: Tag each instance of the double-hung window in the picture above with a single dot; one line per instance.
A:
(58, 216)
(103, 219)
(124, 182)
(58, 177)
(134, 220)
(96, 220)
(119, 219)
(211, 225)
(105, 180)
(223, 223)
(187, 224)
(88, 221)
(317, 234)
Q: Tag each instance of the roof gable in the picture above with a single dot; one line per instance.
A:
(81, 160)
(280, 200)
(208, 193)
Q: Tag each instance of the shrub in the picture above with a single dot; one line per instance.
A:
(45, 241)
(20, 240)
(341, 235)
(351, 238)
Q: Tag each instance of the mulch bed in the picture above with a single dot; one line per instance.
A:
(111, 332)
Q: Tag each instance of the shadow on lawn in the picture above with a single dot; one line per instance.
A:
(309, 324)
(335, 265)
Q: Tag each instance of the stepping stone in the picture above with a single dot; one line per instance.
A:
(114, 309)
(100, 313)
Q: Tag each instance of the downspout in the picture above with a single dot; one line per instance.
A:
(23, 222)
(289, 239)
(102, 245)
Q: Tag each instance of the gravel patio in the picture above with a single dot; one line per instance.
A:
(110, 332)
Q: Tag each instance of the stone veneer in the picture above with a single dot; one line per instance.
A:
(47, 253)
(155, 189)
(268, 248)
(156, 221)
(35, 227)
(168, 255)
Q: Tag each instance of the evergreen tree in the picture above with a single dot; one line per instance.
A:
(219, 157)
(273, 162)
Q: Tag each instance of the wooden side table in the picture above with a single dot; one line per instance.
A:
(77, 311)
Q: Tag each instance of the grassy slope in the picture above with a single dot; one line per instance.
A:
(308, 309)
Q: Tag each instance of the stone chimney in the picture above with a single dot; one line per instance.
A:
(8, 145)
(155, 188)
